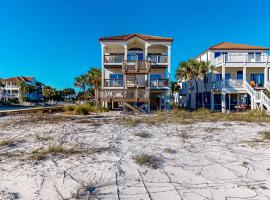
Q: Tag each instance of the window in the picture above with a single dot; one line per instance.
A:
(239, 75)
(254, 57)
(258, 79)
(258, 57)
(155, 76)
(227, 76)
(116, 76)
(219, 76)
(217, 54)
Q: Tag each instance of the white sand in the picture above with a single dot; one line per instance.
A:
(211, 161)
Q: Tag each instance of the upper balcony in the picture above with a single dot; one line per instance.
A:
(248, 59)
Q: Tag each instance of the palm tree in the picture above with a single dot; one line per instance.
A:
(206, 67)
(185, 72)
(193, 70)
(25, 90)
(94, 80)
(81, 82)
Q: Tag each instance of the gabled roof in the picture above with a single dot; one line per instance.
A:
(233, 46)
(126, 37)
(19, 79)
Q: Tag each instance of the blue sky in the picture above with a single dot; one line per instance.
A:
(56, 40)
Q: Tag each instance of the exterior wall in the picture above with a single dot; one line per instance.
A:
(236, 61)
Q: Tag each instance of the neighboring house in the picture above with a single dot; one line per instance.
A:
(240, 79)
(136, 72)
(11, 89)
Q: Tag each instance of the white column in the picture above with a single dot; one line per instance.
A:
(223, 73)
(102, 65)
(146, 45)
(125, 59)
(169, 62)
(126, 52)
(266, 76)
(223, 102)
(212, 102)
(244, 74)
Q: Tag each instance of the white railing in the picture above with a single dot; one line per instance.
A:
(218, 85)
(267, 85)
(252, 92)
(265, 100)
(241, 58)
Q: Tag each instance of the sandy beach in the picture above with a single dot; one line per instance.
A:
(57, 157)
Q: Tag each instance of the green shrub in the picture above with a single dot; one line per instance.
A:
(69, 107)
(148, 160)
(83, 109)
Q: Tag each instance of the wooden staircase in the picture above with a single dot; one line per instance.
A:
(138, 110)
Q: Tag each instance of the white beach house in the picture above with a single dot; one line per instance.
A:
(11, 89)
(136, 72)
(240, 79)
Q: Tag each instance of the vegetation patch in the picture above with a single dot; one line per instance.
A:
(7, 143)
(181, 116)
(83, 109)
(143, 134)
(148, 160)
(169, 150)
(86, 191)
(266, 135)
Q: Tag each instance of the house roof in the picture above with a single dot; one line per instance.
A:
(19, 79)
(149, 38)
(233, 46)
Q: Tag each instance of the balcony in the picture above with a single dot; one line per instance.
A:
(126, 95)
(242, 58)
(136, 67)
(113, 82)
(228, 85)
(136, 83)
(158, 59)
(114, 59)
(159, 83)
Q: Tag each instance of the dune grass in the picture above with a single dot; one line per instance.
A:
(201, 115)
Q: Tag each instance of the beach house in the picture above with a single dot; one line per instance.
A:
(136, 72)
(11, 89)
(240, 79)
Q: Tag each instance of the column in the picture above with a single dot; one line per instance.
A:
(266, 75)
(223, 102)
(125, 59)
(169, 62)
(244, 74)
(102, 65)
(223, 73)
(212, 102)
(146, 45)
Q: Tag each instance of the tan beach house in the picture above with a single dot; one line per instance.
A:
(136, 72)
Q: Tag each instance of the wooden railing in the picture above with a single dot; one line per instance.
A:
(113, 82)
(159, 83)
(113, 58)
(123, 95)
(157, 58)
(139, 66)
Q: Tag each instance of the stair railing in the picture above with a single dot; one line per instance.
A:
(265, 100)
(251, 91)
(267, 85)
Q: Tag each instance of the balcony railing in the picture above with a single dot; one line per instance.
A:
(113, 82)
(136, 83)
(241, 58)
(159, 83)
(157, 58)
(124, 95)
(219, 85)
(114, 58)
(141, 66)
